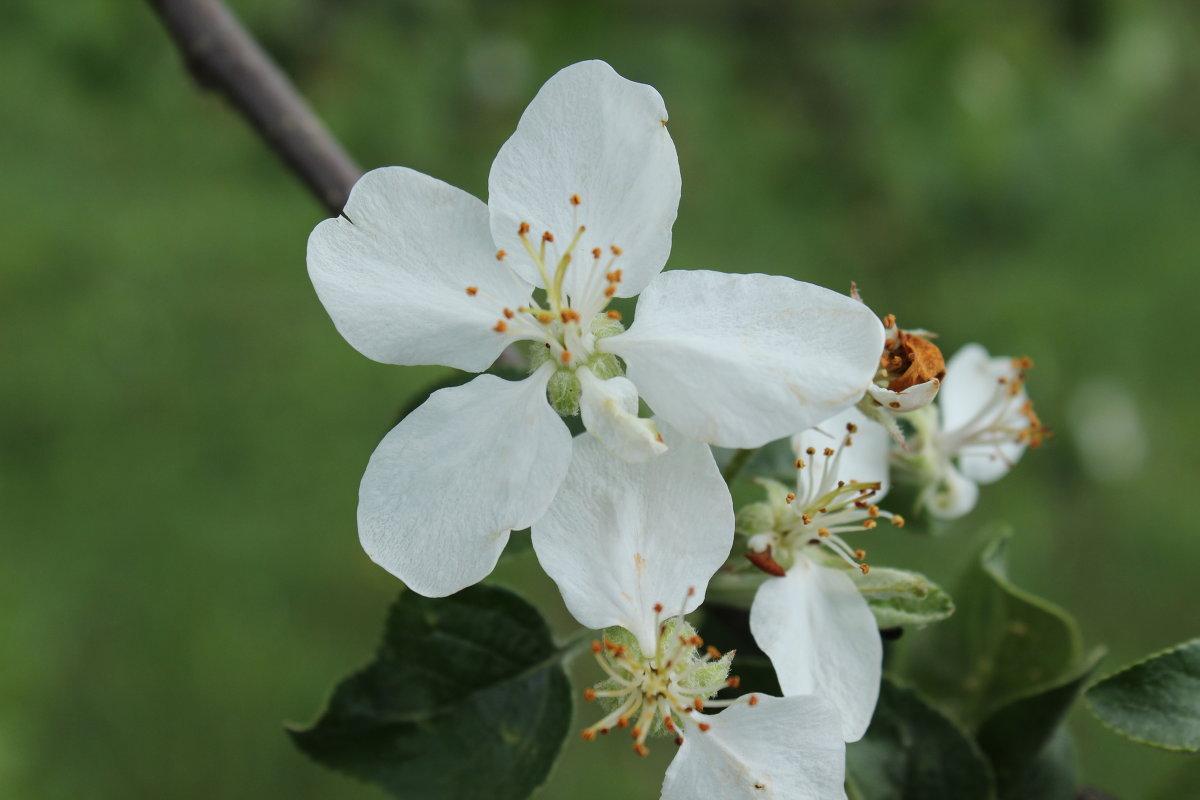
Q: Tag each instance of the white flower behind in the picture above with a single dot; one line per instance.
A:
(657, 533)
(979, 428)
(582, 200)
(809, 617)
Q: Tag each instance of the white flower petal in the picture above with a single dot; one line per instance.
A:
(786, 748)
(621, 537)
(447, 485)
(864, 461)
(951, 497)
(393, 273)
(971, 385)
(610, 413)
(821, 638)
(906, 400)
(740, 360)
(973, 396)
(589, 132)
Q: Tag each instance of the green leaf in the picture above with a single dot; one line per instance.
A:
(912, 751)
(1015, 736)
(464, 691)
(899, 597)
(1001, 643)
(1052, 775)
(1155, 701)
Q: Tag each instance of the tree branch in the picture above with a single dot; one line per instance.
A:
(224, 57)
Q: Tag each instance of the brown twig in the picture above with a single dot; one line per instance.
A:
(224, 57)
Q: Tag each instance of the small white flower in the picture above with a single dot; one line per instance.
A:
(581, 202)
(810, 619)
(979, 428)
(657, 533)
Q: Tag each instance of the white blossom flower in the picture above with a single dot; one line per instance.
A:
(581, 202)
(810, 618)
(980, 426)
(658, 533)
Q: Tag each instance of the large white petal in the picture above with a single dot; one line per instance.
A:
(974, 398)
(971, 385)
(822, 639)
(589, 132)
(740, 360)
(786, 748)
(610, 413)
(865, 460)
(393, 273)
(621, 537)
(446, 486)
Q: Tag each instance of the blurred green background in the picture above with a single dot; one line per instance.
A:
(182, 431)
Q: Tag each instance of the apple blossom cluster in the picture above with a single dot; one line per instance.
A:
(632, 518)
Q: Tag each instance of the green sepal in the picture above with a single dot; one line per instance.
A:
(1155, 701)
(477, 674)
(912, 750)
(899, 597)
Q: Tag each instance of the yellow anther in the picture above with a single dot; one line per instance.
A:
(898, 520)
(575, 200)
(500, 254)
(472, 290)
(869, 524)
(613, 314)
(822, 531)
(545, 317)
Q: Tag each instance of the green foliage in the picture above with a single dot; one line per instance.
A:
(1021, 739)
(899, 597)
(463, 690)
(1155, 701)
(914, 751)
(1002, 643)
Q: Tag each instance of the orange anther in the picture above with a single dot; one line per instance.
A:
(799, 463)
(691, 591)
(696, 641)
(806, 519)
(698, 703)
(472, 290)
(623, 722)
(544, 317)
(610, 290)
(636, 733)
(613, 314)
(596, 251)
(753, 700)
(822, 531)
(596, 647)
(547, 236)
(898, 521)
(865, 568)
(566, 356)
(704, 726)
(658, 608)
(812, 451)
(640, 749)
(508, 313)
(575, 200)
(501, 326)
(790, 497)
(500, 254)
(733, 681)
(616, 251)
(851, 427)
(869, 524)
(678, 741)
(524, 229)
(589, 694)
(669, 723)
(860, 554)
(658, 438)
(828, 451)
(588, 735)
(713, 652)
(889, 321)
